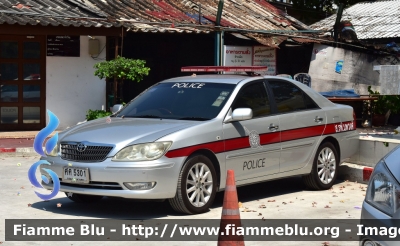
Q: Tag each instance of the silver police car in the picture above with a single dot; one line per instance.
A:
(178, 138)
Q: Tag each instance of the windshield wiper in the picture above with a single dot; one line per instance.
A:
(194, 118)
(144, 116)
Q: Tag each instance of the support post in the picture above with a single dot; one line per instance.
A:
(218, 34)
(217, 46)
(115, 78)
(337, 23)
(199, 13)
(222, 42)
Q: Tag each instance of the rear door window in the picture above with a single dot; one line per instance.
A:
(290, 98)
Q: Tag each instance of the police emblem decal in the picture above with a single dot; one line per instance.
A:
(254, 138)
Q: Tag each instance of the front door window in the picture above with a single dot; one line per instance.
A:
(253, 146)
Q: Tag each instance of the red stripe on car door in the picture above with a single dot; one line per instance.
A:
(302, 133)
(265, 139)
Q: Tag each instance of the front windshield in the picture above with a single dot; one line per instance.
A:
(183, 101)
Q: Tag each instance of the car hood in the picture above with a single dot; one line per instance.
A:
(122, 132)
(392, 161)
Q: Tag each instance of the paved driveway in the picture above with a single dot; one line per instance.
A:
(283, 199)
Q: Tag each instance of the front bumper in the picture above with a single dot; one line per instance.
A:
(107, 178)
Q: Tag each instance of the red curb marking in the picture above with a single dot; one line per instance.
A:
(4, 150)
(367, 171)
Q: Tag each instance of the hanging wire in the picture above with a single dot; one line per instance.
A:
(96, 57)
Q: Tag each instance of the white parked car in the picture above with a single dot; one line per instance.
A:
(178, 138)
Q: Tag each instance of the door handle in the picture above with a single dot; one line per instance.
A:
(273, 127)
(318, 119)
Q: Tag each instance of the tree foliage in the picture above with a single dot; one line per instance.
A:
(122, 68)
(119, 69)
(96, 114)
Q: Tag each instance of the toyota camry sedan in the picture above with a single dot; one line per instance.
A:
(178, 138)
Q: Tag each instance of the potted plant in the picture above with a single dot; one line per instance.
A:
(379, 108)
(119, 69)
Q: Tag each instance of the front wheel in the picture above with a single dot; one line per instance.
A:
(197, 186)
(324, 170)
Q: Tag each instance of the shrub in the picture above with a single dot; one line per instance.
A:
(96, 114)
(119, 69)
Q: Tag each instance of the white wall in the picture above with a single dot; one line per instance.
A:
(390, 80)
(357, 72)
(71, 87)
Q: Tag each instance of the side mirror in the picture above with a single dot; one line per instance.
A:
(240, 114)
(116, 108)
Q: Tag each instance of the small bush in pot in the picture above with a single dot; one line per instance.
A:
(378, 107)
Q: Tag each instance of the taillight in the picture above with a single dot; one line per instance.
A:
(354, 120)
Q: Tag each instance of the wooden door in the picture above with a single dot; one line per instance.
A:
(22, 82)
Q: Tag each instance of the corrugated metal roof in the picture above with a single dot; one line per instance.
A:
(148, 15)
(184, 14)
(170, 16)
(52, 12)
(371, 20)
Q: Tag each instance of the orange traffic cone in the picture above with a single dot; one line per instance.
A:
(230, 219)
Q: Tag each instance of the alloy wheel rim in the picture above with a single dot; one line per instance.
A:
(326, 165)
(199, 185)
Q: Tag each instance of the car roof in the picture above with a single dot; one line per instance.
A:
(210, 78)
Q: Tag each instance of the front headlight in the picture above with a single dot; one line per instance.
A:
(142, 152)
(54, 152)
(383, 190)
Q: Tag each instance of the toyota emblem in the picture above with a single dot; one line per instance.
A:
(81, 147)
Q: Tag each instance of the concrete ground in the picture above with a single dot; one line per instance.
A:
(283, 199)
(12, 139)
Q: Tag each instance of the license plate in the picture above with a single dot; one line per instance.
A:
(75, 175)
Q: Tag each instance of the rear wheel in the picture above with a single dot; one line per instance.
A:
(83, 198)
(324, 170)
(197, 186)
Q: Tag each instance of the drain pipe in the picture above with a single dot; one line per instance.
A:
(218, 36)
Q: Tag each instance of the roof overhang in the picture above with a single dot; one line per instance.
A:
(16, 29)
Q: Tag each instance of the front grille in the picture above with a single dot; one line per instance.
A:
(92, 153)
(95, 185)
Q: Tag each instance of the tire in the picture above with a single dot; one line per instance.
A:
(368, 243)
(325, 162)
(197, 186)
(80, 198)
